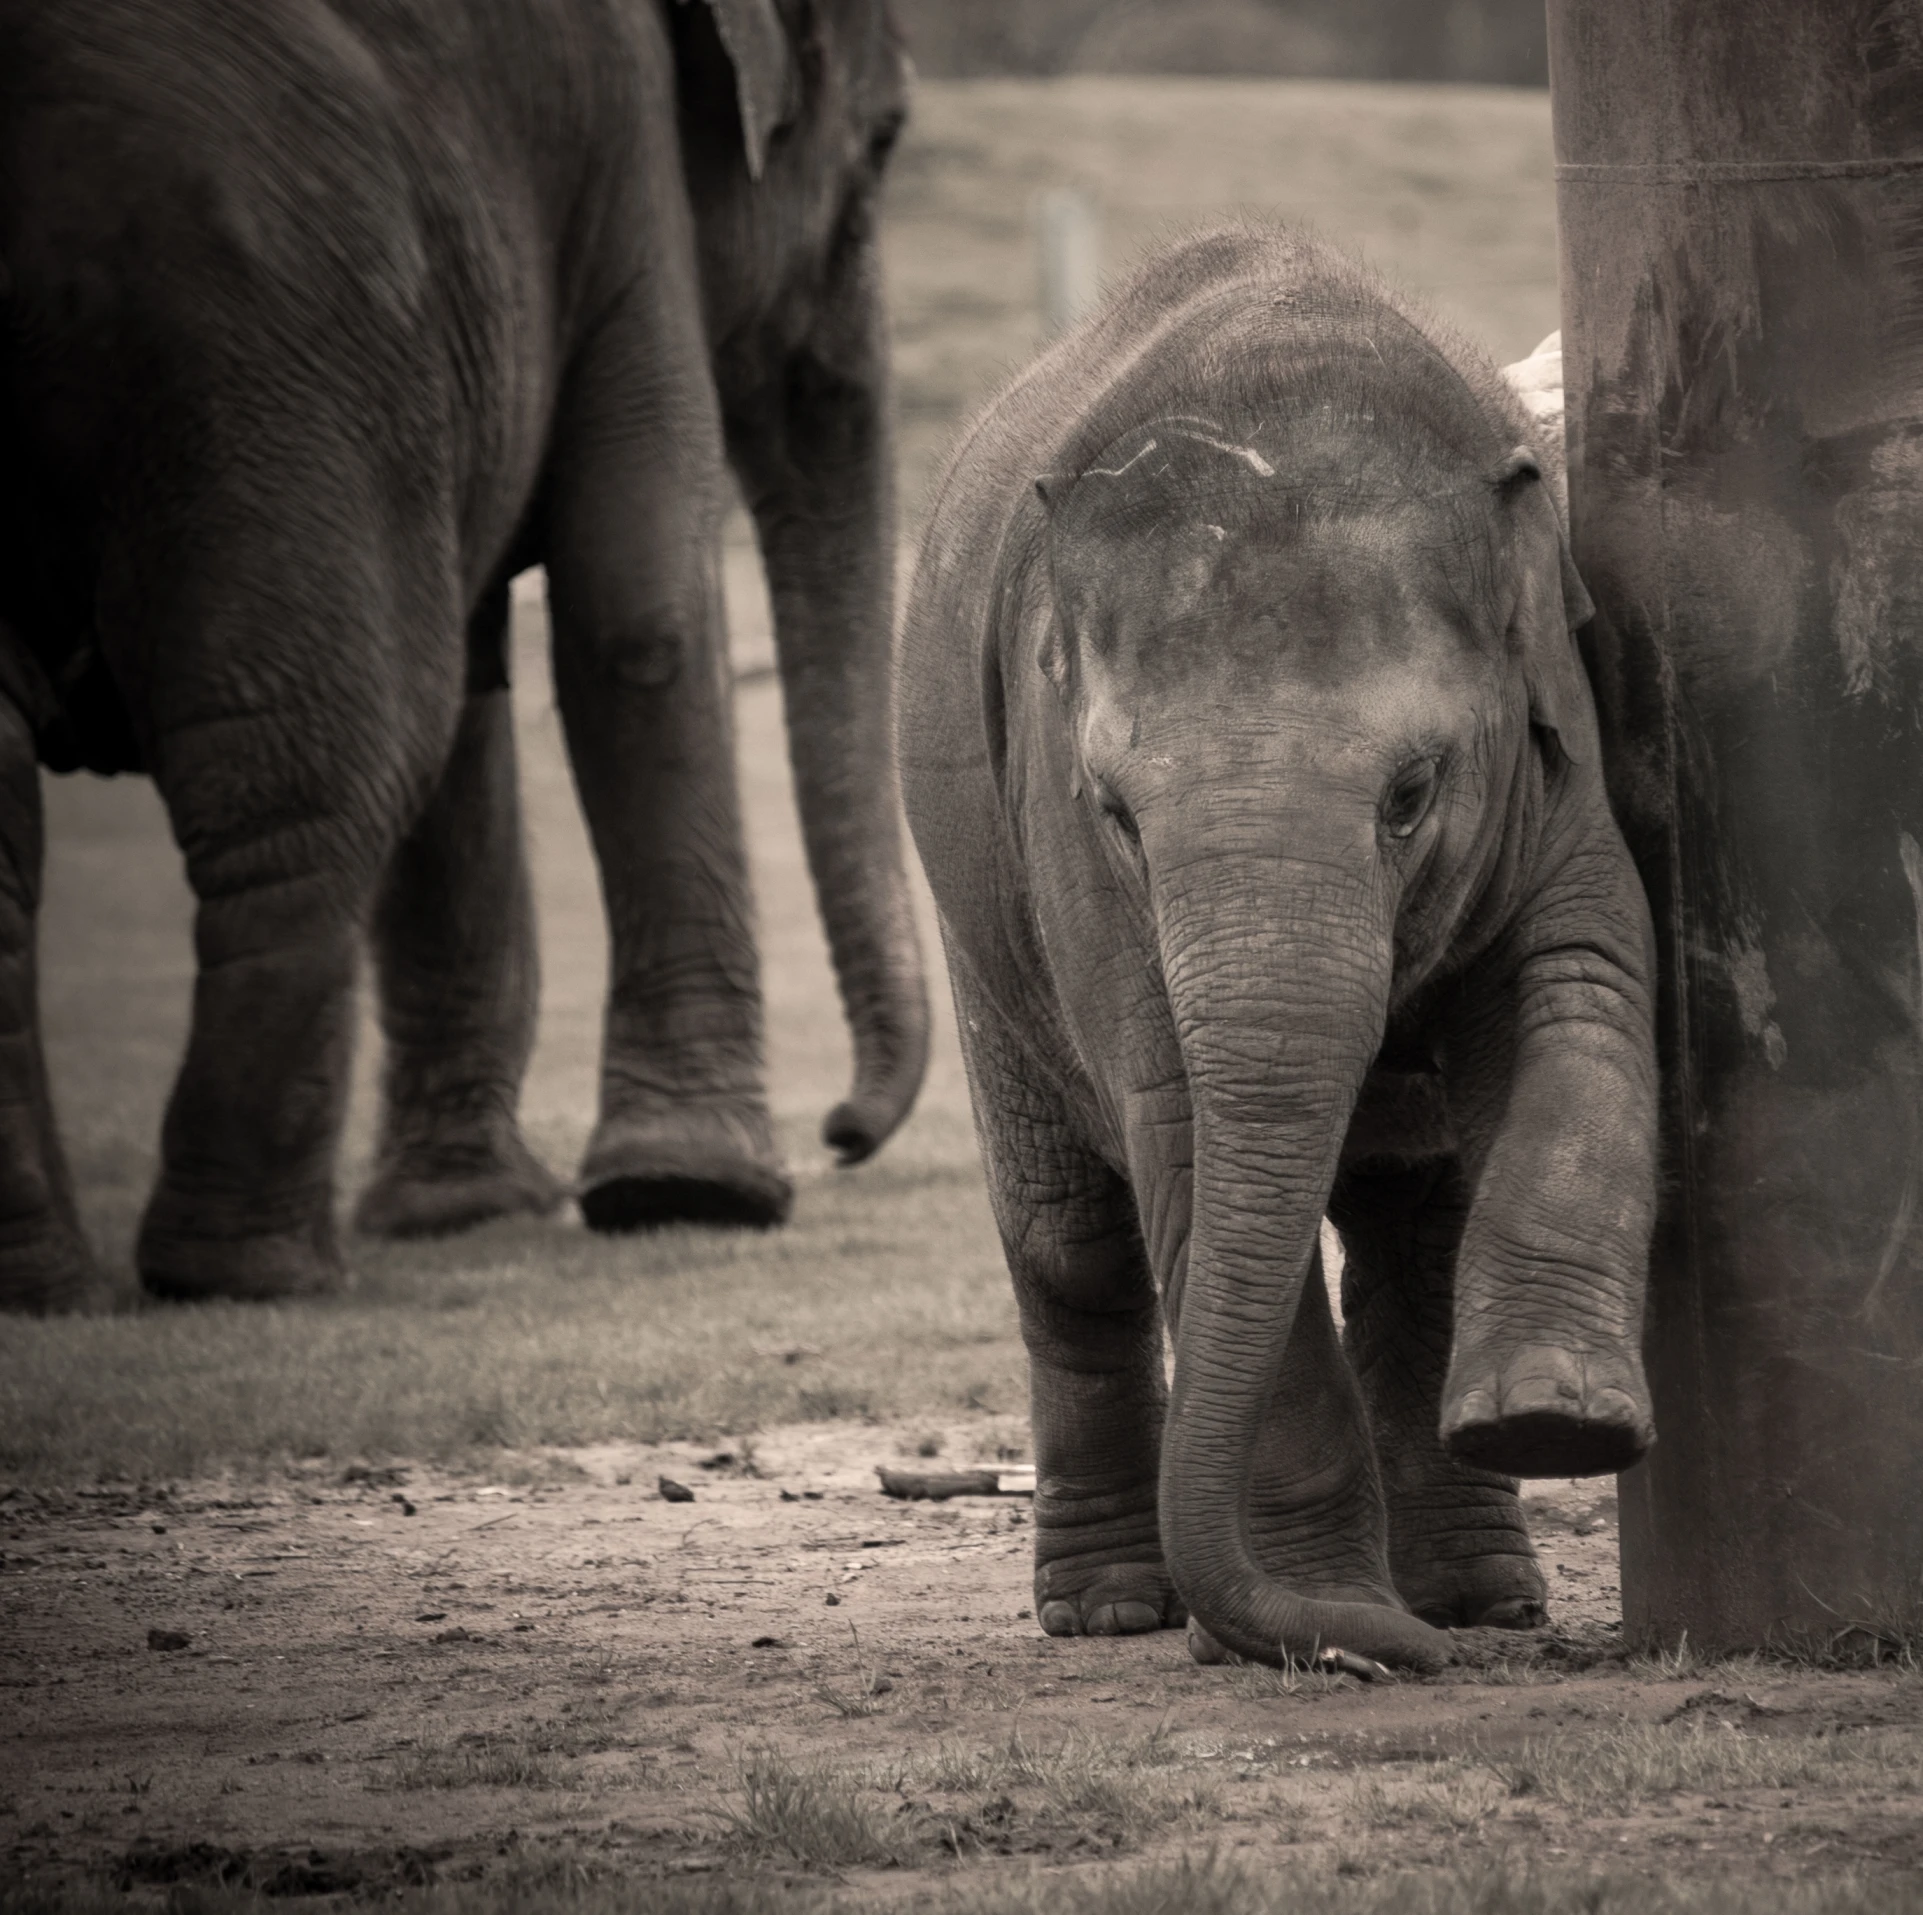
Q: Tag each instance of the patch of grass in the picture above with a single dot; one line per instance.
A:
(1452, 1797)
(1210, 1885)
(568, 1339)
(1016, 1761)
(1258, 1682)
(812, 1814)
(1681, 1663)
(864, 1697)
(517, 1760)
(830, 1402)
(1141, 1782)
(570, 1883)
(1890, 1641)
(1608, 1770)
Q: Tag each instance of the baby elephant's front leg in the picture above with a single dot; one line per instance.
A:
(1546, 1375)
(1096, 1400)
(1093, 1329)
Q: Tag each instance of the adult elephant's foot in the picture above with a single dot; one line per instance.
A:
(45, 1266)
(696, 1164)
(1098, 1560)
(1543, 1410)
(434, 1187)
(46, 1270)
(192, 1251)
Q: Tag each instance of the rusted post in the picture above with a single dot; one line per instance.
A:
(1741, 197)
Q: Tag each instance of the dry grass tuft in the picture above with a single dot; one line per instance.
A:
(1451, 1797)
(813, 1815)
(1136, 1785)
(570, 1882)
(1609, 1770)
(475, 1762)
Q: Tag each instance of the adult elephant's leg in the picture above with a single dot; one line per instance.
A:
(640, 669)
(1090, 1321)
(458, 968)
(44, 1263)
(245, 1202)
(288, 785)
(1459, 1550)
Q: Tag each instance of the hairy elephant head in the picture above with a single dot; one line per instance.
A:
(789, 109)
(1310, 675)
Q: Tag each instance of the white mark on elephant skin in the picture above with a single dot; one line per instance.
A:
(1116, 471)
(1748, 973)
(1216, 531)
(1247, 454)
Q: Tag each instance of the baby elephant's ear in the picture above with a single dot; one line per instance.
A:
(1551, 609)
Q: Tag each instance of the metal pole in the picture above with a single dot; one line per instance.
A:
(1741, 198)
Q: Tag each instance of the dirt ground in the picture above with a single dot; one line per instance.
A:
(322, 1684)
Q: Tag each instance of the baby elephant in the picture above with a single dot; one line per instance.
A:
(1257, 778)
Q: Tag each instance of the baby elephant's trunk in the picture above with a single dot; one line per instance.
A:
(1279, 990)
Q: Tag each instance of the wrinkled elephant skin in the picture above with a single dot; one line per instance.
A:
(1255, 772)
(317, 328)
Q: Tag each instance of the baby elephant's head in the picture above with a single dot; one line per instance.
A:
(1315, 666)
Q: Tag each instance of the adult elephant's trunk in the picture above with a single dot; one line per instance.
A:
(820, 487)
(1278, 973)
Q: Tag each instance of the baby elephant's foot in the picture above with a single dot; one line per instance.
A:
(1122, 1599)
(1497, 1592)
(1541, 1410)
(1461, 1554)
(1098, 1556)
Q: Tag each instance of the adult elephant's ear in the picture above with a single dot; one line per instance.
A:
(1561, 710)
(767, 81)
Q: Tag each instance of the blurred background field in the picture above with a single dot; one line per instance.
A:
(1450, 190)
(886, 1296)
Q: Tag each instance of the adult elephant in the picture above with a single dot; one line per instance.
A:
(785, 124)
(321, 323)
(1255, 773)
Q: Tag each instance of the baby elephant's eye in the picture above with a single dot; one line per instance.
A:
(1410, 795)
